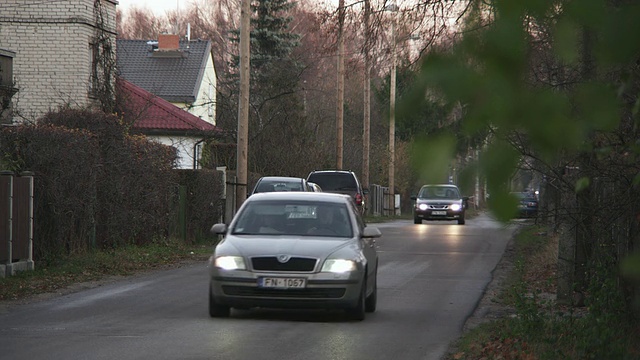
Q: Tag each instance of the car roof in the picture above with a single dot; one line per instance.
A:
(300, 196)
(440, 185)
(281, 178)
(331, 171)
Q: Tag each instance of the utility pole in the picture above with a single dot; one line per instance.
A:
(366, 133)
(340, 95)
(392, 113)
(243, 106)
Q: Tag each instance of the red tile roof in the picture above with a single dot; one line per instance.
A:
(151, 113)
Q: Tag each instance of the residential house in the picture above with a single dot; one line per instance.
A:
(165, 123)
(178, 71)
(64, 53)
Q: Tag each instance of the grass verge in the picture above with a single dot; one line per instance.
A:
(542, 329)
(98, 265)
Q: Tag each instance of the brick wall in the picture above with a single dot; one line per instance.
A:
(51, 39)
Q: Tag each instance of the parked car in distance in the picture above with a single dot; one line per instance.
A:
(295, 250)
(439, 202)
(280, 183)
(314, 187)
(340, 182)
(527, 204)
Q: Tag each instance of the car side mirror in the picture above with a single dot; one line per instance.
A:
(371, 232)
(414, 197)
(365, 191)
(219, 229)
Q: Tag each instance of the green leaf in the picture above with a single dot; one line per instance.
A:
(599, 106)
(630, 266)
(432, 156)
(582, 184)
(566, 42)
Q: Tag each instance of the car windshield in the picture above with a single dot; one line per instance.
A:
(334, 181)
(439, 192)
(299, 218)
(278, 185)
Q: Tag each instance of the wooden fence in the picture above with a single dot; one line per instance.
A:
(16, 222)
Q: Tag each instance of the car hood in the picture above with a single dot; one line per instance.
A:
(252, 245)
(439, 201)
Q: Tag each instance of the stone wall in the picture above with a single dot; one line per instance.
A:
(52, 41)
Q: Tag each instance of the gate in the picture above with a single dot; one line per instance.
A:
(16, 222)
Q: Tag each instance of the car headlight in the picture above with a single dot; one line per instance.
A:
(455, 207)
(338, 265)
(230, 263)
(422, 206)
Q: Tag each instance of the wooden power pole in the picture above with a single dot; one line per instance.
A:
(340, 97)
(243, 106)
(366, 133)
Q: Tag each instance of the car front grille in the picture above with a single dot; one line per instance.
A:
(271, 263)
(439, 207)
(318, 293)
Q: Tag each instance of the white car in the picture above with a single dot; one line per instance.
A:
(295, 250)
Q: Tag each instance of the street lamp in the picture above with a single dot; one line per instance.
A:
(392, 110)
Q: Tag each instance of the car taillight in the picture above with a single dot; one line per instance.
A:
(358, 199)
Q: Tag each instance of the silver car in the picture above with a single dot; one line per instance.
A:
(295, 250)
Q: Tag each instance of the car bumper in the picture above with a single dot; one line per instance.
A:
(430, 215)
(322, 290)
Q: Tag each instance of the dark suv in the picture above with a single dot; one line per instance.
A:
(340, 182)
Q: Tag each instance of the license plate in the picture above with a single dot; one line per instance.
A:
(438, 213)
(282, 283)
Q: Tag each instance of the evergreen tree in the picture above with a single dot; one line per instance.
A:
(276, 115)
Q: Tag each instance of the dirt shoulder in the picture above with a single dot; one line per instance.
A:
(489, 307)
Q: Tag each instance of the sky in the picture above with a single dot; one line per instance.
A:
(159, 7)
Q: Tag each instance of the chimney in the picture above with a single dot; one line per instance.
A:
(168, 42)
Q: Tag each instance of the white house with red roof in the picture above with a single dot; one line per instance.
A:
(180, 71)
(165, 123)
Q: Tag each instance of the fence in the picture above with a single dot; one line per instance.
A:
(378, 199)
(16, 219)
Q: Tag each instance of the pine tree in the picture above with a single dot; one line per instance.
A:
(276, 115)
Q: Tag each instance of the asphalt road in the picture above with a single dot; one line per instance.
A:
(431, 277)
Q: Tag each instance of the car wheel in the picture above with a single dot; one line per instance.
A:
(372, 300)
(215, 309)
(358, 312)
(417, 220)
(461, 221)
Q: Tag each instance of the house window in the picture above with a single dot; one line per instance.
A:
(210, 105)
(94, 54)
(197, 153)
(7, 89)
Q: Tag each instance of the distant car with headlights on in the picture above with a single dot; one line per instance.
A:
(295, 250)
(527, 204)
(439, 202)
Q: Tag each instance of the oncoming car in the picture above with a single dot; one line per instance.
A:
(439, 202)
(295, 250)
